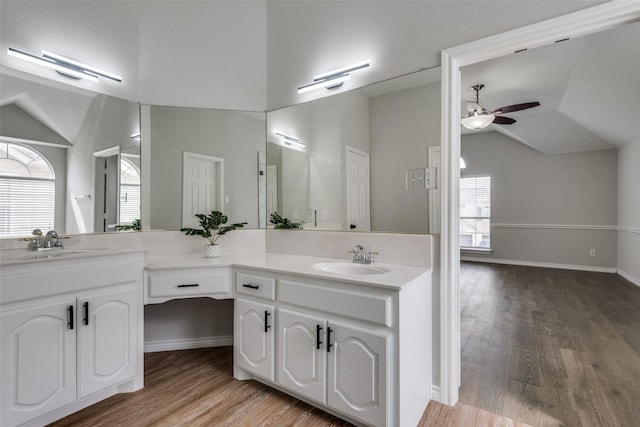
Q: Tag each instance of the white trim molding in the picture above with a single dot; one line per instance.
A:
(629, 230)
(541, 264)
(188, 343)
(557, 226)
(632, 279)
(594, 19)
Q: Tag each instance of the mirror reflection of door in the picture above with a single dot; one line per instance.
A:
(358, 204)
(107, 172)
(203, 188)
(129, 191)
(272, 189)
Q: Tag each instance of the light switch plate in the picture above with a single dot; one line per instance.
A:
(415, 179)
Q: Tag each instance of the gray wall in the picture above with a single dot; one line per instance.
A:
(629, 210)
(234, 136)
(402, 125)
(576, 193)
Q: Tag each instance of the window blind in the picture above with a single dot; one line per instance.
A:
(26, 204)
(475, 212)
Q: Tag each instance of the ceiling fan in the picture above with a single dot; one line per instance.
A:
(478, 117)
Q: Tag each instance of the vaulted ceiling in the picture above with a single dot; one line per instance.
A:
(588, 88)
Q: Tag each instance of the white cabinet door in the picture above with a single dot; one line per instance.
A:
(38, 360)
(357, 373)
(254, 338)
(301, 353)
(107, 339)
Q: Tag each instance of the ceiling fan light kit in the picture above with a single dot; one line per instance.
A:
(479, 117)
(477, 120)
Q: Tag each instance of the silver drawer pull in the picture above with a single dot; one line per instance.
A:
(189, 285)
(246, 285)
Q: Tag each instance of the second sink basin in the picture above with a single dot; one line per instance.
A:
(349, 268)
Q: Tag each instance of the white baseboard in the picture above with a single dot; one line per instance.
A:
(435, 393)
(541, 264)
(188, 343)
(629, 277)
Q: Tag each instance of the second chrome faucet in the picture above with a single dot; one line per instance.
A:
(361, 256)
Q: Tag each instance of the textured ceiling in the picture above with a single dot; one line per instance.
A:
(588, 88)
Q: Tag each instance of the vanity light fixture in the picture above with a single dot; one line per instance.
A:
(65, 66)
(334, 78)
(290, 139)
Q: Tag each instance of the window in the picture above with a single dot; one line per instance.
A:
(129, 192)
(475, 212)
(27, 191)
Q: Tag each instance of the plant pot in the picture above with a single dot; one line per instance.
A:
(211, 251)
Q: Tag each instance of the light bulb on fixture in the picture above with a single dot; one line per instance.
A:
(334, 78)
(290, 139)
(65, 66)
(477, 119)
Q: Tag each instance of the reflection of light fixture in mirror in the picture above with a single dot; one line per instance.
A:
(334, 78)
(65, 66)
(290, 139)
(463, 165)
(477, 119)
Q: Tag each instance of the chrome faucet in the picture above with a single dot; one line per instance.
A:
(360, 256)
(48, 244)
(50, 241)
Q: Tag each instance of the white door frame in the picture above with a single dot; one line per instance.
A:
(598, 18)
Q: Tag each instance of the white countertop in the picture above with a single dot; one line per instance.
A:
(397, 277)
(23, 256)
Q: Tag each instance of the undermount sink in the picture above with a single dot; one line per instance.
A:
(349, 268)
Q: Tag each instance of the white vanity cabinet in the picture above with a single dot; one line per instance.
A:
(254, 333)
(348, 348)
(71, 334)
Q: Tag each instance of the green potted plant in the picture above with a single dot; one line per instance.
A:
(280, 222)
(212, 227)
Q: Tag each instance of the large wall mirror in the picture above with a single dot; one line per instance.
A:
(232, 140)
(69, 158)
(341, 162)
(85, 150)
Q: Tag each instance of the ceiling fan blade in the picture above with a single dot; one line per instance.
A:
(502, 120)
(516, 107)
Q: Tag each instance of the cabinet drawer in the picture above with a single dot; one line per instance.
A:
(350, 303)
(258, 286)
(189, 282)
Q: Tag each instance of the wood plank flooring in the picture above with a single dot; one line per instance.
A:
(550, 347)
(196, 388)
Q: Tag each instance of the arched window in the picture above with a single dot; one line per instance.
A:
(27, 191)
(129, 192)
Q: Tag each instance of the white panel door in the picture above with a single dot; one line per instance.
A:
(107, 325)
(38, 362)
(254, 338)
(301, 354)
(357, 373)
(272, 189)
(202, 187)
(358, 198)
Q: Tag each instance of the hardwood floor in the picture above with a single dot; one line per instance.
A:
(196, 388)
(550, 347)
